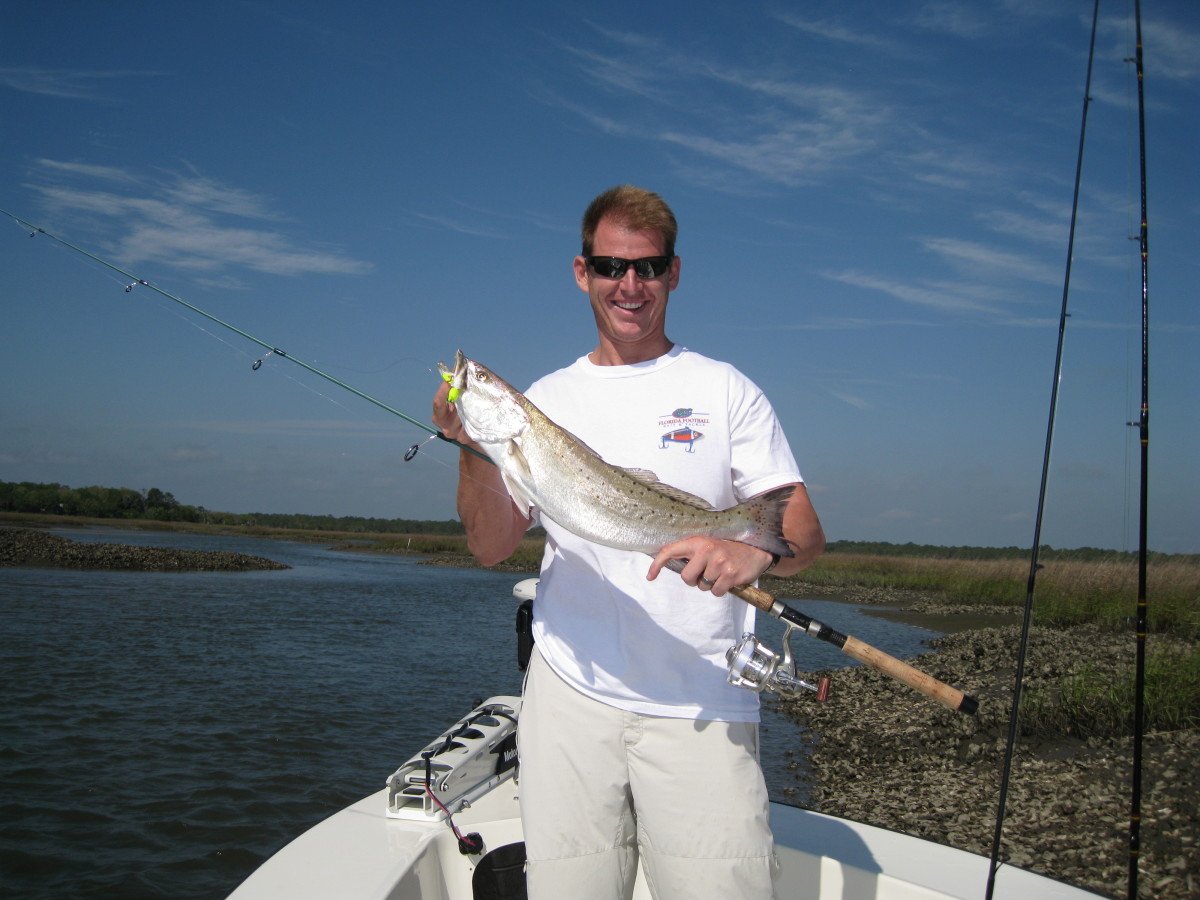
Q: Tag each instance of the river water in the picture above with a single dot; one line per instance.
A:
(163, 733)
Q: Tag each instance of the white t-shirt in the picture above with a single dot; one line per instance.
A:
(657, 647)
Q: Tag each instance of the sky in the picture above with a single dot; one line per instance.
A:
(874, 202)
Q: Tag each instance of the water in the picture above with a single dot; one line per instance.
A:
(161, 734)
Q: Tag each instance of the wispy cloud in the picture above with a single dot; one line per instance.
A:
(854, 323)
(949, 17)
(851, 399)
(312, 428)
(66, 84)
(1023, 225)
(1171, 50)
(462, 227)
(973, 257)
(100, 173)
(782, 129)
(937, 298)
(186, 220)
(843, 34)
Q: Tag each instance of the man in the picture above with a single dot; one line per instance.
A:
(632, 742)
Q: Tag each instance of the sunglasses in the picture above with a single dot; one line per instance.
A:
(616, 267)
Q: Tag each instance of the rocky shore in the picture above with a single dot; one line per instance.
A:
(29, 547)
(888, 756)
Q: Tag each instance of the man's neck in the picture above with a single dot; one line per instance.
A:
(608, 354)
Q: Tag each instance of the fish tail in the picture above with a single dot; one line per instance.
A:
(766, 514)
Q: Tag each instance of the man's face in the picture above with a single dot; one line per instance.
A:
(630, 311)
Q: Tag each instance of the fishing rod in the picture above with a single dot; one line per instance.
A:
(1143, 426)
(1034, 565)
(135, 281)
(755, 667)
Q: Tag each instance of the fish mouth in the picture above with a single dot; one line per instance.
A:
(456, 377)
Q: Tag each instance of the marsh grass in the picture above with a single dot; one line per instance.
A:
(1066, 592)
(1099, 701)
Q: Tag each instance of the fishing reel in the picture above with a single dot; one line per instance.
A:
(755, 666)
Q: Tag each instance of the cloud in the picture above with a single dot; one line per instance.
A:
(853, 323)
(291, 428)
(955, 18)
(851, 399)
(192, 453)
(1022, 225)
(66, 84)
(842, 34)
(973, 257)
(935, 297)
(184, 219)
(781, 129)
(1171, 50)
(102, 173)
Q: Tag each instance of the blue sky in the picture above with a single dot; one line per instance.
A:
(874, 202)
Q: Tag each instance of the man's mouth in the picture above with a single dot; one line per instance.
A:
(631, 305)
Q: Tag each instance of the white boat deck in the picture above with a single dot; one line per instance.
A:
(362, 854)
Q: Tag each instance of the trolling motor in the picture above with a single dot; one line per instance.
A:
(755, 666)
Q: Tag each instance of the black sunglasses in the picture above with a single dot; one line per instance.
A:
(616, 267)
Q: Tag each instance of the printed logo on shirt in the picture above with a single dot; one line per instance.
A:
(679, 428)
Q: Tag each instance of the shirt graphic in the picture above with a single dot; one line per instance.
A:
(679, 428)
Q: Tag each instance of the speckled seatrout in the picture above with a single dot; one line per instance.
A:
(546, 467)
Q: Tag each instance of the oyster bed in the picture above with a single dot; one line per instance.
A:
(29, 547)
(888, 756)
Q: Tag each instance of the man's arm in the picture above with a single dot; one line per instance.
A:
(717, 566)
(493, 523)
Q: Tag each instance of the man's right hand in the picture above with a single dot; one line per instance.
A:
(446, 418)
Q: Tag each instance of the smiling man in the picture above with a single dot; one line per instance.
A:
(630, 306)
(632, 742)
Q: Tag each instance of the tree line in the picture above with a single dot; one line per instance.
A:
(157, 505)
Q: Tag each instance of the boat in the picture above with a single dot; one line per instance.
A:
(447, 826)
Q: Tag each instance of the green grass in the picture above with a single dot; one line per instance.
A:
(1066, 592)
(1094, 703)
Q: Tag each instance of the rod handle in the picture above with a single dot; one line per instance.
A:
(755, 596)
(949, 697)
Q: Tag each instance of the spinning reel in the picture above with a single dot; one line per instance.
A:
(755, 666)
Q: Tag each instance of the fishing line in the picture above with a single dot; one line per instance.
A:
(133, 281)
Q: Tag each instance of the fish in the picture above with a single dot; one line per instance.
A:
(545, 467)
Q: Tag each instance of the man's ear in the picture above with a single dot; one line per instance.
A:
(581, 273)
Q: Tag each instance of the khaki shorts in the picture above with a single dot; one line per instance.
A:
(600, 787)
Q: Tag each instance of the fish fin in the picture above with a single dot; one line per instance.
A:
(517, 477)
(646, 477)
(766, 510)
